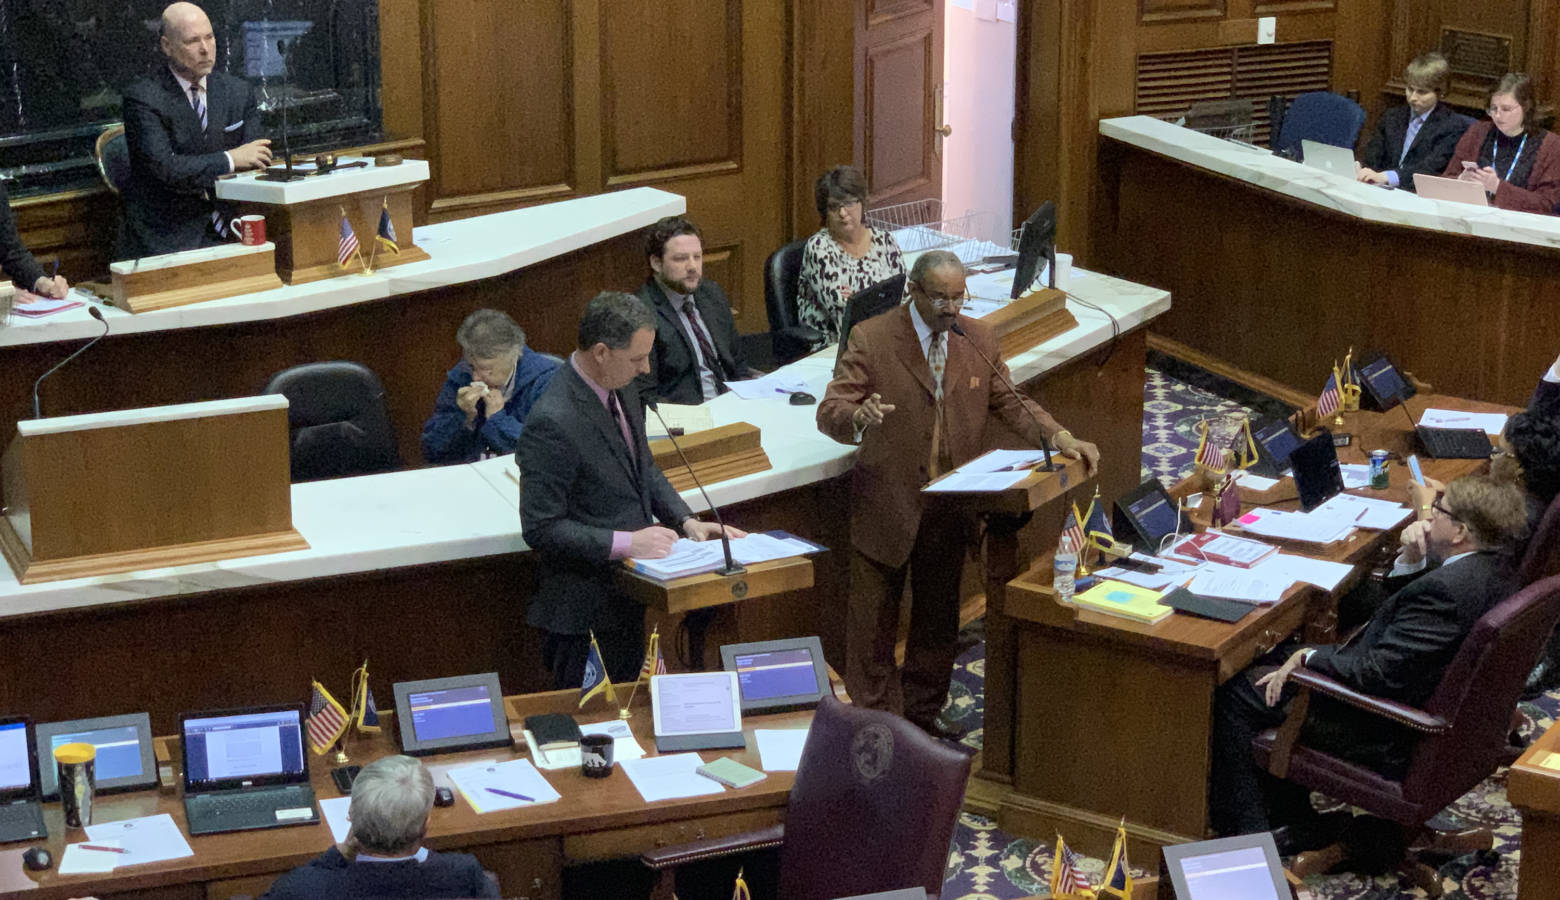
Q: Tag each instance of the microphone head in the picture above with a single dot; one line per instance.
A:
(95, 313)
(957, 329)
(650, 400)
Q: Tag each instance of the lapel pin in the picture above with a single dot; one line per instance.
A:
(974, 381)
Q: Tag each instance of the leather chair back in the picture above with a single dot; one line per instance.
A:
(873, 806)
(112, 153)
(1320, 116)
(782, 272)
(337, 420)
(1542, 558)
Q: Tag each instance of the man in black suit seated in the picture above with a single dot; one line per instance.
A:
(697, 349)
(592, 494)
(383, 855)
(1474, 532)
(185, 125)
(1418, 137)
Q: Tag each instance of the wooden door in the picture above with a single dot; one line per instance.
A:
(899, 73)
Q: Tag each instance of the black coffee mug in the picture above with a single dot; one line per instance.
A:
(596, 755)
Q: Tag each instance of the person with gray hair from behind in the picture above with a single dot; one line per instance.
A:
(481, 410)
(383, 855)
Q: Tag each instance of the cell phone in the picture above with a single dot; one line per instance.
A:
(1342, 439)
(344, 776)
(1414, 470)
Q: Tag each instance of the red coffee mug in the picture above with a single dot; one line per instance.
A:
(250, 230)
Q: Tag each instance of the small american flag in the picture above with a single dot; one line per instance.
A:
(1328, 402)
(655, 663)
(1072, 527)
(327, 720)
(348, 244)
(1067, 878)
(1209, 454)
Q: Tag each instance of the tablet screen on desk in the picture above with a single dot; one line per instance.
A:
(1238, 868)
(778, 675)
(696, 703)
(125, 760)
(444, 714)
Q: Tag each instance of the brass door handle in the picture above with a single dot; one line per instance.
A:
(945, 131)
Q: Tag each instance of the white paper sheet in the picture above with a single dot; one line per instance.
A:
(1255, 482)
(669, 777)
(80, 859)
(693, 557)
(334, 809)
(1295, 526)
(479, 784)
(691, 419)
(1320, 572)
(780, 749)
(976, 482)
(1363, 512)
(774, 386)
(1492, 423)
(1355, 475)
(148, 839)
(623, 744)
(1004, 461)
(1233, 583)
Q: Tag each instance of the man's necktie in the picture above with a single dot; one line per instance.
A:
(706, 346)
(937, 358)
(199, 105)
(622, 423)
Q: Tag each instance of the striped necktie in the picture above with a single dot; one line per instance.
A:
(939, 460)
(706, 346)
(199, 105)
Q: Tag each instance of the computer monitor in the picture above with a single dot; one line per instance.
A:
(1382, 386)
(1318, 477)
(243, 748)
(869, 302)
(18, 760)
(441, 715)
(125, 759)
(1146, 514)
(778, 675)
(1036, 245)
(1238, 868)
(1275, 441)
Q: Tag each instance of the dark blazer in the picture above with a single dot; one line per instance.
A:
(331, 875)
(173, 165)
(16, 261)
(1402, 653)
(1431, 150)
(1546, 398)
(445, 437)
(578, 485)
(1542, 193)
(883, 356)
(674, 371)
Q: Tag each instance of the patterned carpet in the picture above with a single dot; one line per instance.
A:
(986, 863)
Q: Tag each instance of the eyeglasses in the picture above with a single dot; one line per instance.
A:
(835, 206)
(942, 302)
(1437, 507)
(1503, 109)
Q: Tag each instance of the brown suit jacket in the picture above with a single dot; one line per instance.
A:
(884, 357)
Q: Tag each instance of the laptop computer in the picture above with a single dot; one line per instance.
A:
(1275, 441)
(1434, 187)
(246, 769)
(1246, 867)
(1334, 160)
(21, 818)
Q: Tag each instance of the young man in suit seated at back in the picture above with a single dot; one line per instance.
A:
(1419, 136)
(697, 348)
(1476, 529)
(383, 855)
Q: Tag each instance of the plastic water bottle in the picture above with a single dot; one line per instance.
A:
(1064, 567)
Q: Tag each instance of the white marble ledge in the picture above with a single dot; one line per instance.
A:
(461, 251)
(1337, 193)
(448, 513)
(249, 188)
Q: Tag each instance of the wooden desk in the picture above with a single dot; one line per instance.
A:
(1534, 789)
(526, 848)
(1112, 718)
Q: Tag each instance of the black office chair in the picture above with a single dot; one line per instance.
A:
(782, 273)
(337, 420)
(869, 302)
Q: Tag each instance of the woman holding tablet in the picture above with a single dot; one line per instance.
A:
(1517, 161)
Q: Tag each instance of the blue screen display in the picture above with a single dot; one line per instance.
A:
(1232, 875)
(451, 712)
(118, 750)
(241, 747)
(776, 673)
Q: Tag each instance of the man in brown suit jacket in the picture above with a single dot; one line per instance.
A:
(886, 396)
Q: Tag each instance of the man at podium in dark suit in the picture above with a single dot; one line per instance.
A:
(697, 349)
(592, 494)
(916, 396)
(184, 126)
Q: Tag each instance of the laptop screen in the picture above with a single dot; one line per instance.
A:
(244, 747)
(1384, 381)
(15, 767)
(1155, 513)
(451, 712)
(1279, 441)
(1240, 874)
(118, 750)
(776, 673)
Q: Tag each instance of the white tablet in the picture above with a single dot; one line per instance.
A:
(697, 711)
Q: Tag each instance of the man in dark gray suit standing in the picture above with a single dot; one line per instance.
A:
(591, 494)
(184, 126)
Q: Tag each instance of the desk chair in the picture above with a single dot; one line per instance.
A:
(1319, 116)
(872, 809)
(1542, 560)
(1463, 727)
(337, 420)
(869, 302)
(782, 272)
(112, 153)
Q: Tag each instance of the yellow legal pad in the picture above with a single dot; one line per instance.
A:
(1551, 761)
(1122, 599)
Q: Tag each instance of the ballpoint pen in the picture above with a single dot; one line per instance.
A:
(511, 795)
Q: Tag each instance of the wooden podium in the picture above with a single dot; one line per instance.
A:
(716, 455)
(1006, 511)
(146, 488)
(303, 218)
(679, 595)
(1032, 319)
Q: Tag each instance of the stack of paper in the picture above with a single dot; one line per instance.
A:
(33, 306)
(1364, 512)
(696, 557)
(989, 473)
(1170, 572)
(1492, 423)
(690, 419)
(780, 749)
(1295, 526)
(776, 385)
(670, 777)
(145, 840)
(1234, 583)
(505, 785)
(1355, 475)
(1289, 568)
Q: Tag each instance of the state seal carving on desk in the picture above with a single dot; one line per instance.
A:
(872, 752)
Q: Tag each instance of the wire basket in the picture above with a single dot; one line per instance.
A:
(920, 225)
(1245, 132)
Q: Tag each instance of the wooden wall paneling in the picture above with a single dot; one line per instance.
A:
(1180, 10)
(499, 119)
(823, 103)
(1280, 7)
(401, 67)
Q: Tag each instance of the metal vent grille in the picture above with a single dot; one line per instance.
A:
(1169, 83)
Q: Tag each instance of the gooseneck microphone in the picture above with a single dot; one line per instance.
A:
(94, 313)
(1022, 400)
(731, 567)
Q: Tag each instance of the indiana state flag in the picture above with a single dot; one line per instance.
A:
(1098, 525)
(596, 680)
(368, 713)
(386, 234)
(1118, 878)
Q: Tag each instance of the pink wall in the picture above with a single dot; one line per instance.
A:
(978, 68)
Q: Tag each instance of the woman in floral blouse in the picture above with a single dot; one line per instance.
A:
(844, 256)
